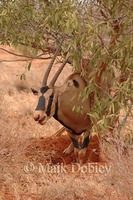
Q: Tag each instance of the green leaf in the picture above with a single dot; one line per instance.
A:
(29, 66)
(23, 77)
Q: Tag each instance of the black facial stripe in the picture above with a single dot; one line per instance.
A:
(48, 111)
(44, 89)
(41, 103)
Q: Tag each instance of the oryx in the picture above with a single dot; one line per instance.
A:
(59, 101)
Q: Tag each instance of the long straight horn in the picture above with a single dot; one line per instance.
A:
(44, 82)
(57, 73)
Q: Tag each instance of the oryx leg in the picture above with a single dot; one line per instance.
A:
(83, 147)
(69, 149)
(74, 139)
(79, 144)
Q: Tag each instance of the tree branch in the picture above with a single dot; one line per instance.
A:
(15, 54)
(23, 56)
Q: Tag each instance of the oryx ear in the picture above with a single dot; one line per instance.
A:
(35, 92)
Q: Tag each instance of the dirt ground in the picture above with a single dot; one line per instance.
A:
(32, 164)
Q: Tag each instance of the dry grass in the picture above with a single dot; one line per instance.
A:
(120, 157)
(22, 141)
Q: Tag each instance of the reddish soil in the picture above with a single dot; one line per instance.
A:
(57, 146)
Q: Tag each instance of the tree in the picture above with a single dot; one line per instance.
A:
(97, 35)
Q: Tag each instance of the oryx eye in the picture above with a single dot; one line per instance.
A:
(76, 84)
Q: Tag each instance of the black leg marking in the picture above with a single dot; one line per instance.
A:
(85, 142)
(75, 142)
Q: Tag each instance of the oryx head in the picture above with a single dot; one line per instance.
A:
(47, 96)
